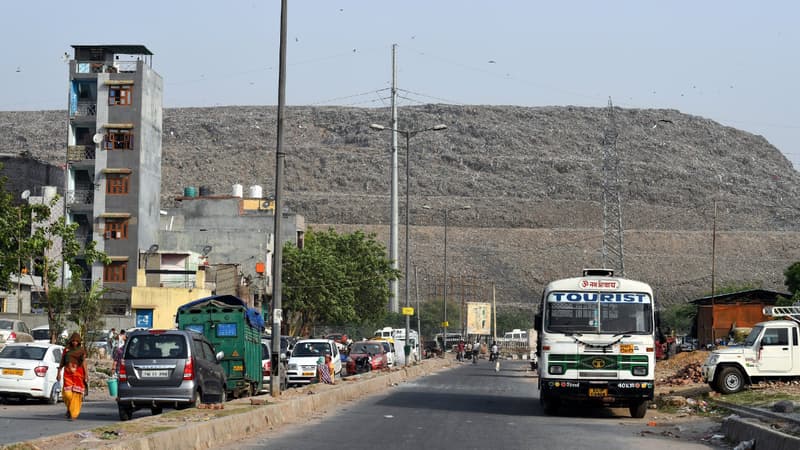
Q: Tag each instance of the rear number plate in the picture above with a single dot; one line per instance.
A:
(598, 392)
(17, 372)
(155, 373)
(308, 374)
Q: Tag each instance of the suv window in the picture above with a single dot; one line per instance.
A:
(156, 346)
(197, 349)
(775, 336)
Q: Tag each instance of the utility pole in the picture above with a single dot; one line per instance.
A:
(613, 248)
(394, 286)
(277, 312)
(713, 275)
(494, 313)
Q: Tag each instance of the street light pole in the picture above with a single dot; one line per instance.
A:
(407, 134)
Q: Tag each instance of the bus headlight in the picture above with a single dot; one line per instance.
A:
(556, 370)
(639, 371)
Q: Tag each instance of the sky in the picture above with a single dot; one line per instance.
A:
(734, 62)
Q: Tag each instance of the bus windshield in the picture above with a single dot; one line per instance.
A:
(592, 316)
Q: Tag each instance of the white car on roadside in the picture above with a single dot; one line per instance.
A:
(302, 368)
(29, 370)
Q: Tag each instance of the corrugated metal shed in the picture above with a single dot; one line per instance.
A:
(718, 315)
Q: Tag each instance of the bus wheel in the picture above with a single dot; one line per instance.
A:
(549, 405)
(730, 380)
(638, 410)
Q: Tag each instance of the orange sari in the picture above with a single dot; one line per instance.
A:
(74, 380)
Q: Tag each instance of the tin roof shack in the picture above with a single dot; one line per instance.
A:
(718, 315)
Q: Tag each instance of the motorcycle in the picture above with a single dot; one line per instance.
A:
(363, 364)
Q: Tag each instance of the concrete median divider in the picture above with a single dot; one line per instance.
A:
(236, 425)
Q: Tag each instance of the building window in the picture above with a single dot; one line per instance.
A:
(116, 272)
(119, 139)
(117, 183)
(120, 95)
(116, 229)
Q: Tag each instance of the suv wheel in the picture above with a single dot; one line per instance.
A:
(125, 412)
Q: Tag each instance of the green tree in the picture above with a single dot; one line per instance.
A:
(679, 318)
(335, 279)
(89, 309)
(792, 278)
(47, 231)
(12, 229)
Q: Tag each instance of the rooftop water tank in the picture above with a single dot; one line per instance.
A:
(205, 191)
(190, 191)
(255, 192)
(238, 190)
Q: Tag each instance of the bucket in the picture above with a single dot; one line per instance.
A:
(112, 386)
(190, 191)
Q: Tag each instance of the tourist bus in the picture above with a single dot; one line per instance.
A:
(596, 342)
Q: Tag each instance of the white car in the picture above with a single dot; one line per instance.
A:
(41, 334)
(14, 331)
(29, 370)
(305, 354)
(266, 367)
(388, 347)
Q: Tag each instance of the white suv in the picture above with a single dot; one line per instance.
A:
(305, 354)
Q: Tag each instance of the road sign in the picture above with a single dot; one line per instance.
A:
(445, 324)
(408, 311)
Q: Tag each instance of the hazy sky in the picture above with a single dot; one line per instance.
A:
(735, 62)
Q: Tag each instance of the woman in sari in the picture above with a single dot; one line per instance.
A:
(73, 363)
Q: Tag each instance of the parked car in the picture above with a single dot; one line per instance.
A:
(41, 334)
(687, 346)
(302, 367)
(287, 344)
(168, 368)
(388, 347)
(266, 367)
(97, 342)
(432, 349)
(373, 351)
(29, 370)
(12, 330)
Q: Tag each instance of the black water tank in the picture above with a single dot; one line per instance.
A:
(205, 191)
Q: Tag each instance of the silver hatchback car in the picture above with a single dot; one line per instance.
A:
(168, 368)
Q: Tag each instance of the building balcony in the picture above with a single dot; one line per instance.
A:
(84, 109)
(99, 67)
(80, 153)
(79, 197)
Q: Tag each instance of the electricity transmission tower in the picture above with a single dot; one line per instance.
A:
(613, 249)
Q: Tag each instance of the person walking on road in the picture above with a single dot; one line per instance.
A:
(76, 378)
(476, 348)
(460, 354)
(117, 351)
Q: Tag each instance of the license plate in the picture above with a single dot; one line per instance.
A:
(155, 373)
(17, 372)
(626, 348)
(598, 392)
(308, 374)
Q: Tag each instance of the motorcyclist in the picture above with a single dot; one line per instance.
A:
(495, 352)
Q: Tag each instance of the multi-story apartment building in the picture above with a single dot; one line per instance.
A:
(113, 177)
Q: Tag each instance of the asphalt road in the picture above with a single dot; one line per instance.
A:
(22, 421)
(469, 407)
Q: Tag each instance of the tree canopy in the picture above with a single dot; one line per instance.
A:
(335, 279)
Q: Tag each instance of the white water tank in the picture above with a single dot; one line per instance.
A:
(255, 191)
(238, 190)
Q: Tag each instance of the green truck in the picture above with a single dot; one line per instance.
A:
(233, 328)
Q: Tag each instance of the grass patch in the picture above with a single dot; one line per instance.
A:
(757, 398)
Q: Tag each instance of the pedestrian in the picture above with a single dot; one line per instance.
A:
(460, 354)
(112, 339)
(331, 367)
(323, 372)
(76, 378)
(476, 348)
(117, 352)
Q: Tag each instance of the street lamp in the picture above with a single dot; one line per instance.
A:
(408, 134)
(444, 319)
